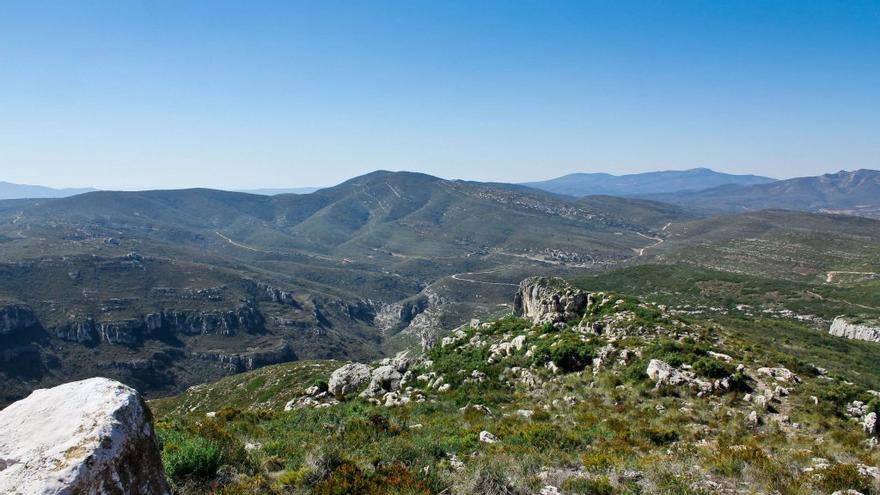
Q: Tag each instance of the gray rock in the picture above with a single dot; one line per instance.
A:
(549, 300)
(349, 379)
(383, 379)
(842, 327)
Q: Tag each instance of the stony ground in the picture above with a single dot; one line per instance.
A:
(585, 394)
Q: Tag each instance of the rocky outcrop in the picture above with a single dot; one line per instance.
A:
(277, 295)
(388, 376)
(15, 317)
(396, 316)
(664, 374)
(841, 327)
(92, 437)
(549, 300)
(349, 379)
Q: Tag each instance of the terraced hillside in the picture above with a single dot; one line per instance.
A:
(579, 393)
(166, 289)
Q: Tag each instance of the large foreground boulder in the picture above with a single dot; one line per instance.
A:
(94, 436)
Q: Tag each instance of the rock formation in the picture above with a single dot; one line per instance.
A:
(841, 327)
(92, 437)
(549, 300)
(15, 317)
(349, 379)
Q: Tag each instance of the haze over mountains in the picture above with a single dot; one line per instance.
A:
(584, 184)
(9, 190)
(855, 193)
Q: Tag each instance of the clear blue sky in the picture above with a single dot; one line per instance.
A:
(137, 94)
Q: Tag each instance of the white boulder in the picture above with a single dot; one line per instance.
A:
(93, 436)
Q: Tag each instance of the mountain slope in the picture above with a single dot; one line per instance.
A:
(644, 183)
(165, 289)
(579, 393)
(855, 193)
(9, 190)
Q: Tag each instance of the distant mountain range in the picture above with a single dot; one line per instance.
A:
(281, 190)
(853, 193)
(9, 190)
(632, 185)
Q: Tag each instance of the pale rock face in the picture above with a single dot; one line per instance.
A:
(349, 378)
(841, 327)
(753, 420)
(664, 374)
(870, 423)
(545, 300)
(487, 437)
(93, 436)
(780, 374)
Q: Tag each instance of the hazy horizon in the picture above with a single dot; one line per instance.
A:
(133, 95)
(304, 187)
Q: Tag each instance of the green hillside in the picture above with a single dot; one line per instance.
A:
(571, 408)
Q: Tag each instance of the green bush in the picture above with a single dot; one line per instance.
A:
(186, 455)
(588, 486)
(661, 436)
(568, 352)
(712, 368)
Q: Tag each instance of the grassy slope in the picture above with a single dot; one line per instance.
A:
(587, 429)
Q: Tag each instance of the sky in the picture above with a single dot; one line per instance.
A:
(124, 94)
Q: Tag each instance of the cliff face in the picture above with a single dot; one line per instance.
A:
(842, 327)
(16, 317)
(131, 331)
(549, 300)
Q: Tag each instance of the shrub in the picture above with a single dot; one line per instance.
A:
(661, 436)
(841, 477)
(489, 480)
(348, 478)
(588, 486)
(294, 477)
(568, 352)
(186, 455)
(712, 368)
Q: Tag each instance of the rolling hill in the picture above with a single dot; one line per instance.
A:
(630, 185)
(165, 289)
(853, 193)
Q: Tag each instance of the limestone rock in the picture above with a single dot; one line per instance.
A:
(842, 327)
(487, 437)
(94, 436)
(349, 378)
(549, 300)
(664, 374)
(780, 374)
(870, 423)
